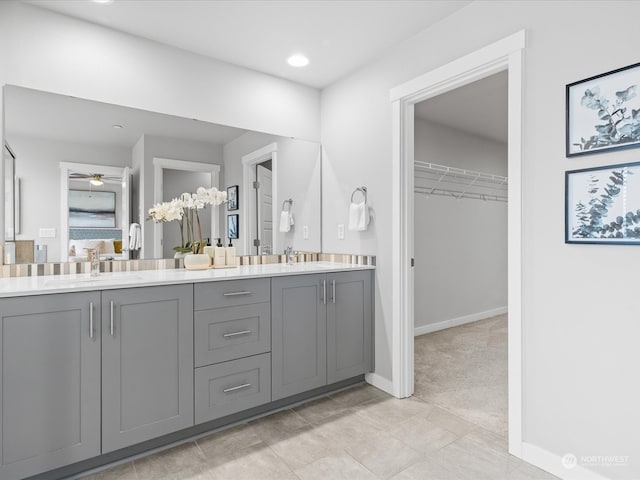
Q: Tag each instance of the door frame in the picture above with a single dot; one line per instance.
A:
(248, 162)
(505, 54)
(159, 164)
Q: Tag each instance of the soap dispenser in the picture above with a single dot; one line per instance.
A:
(231, 255)
(219, 255)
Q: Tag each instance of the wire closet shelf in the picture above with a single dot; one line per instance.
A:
(434, 179)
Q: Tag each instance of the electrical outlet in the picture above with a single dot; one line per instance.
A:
(341, 231)
(305, 232)
(47, 233)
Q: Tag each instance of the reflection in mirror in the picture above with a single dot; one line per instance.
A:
(9, 160)
(124, 160)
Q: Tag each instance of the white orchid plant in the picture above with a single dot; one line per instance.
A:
(185, 210)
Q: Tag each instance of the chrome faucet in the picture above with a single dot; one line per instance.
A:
(289, 253)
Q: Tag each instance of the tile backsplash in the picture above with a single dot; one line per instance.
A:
(66, 268)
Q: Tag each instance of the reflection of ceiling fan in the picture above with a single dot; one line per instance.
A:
(96, 179)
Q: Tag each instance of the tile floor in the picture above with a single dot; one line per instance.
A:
(453, 428)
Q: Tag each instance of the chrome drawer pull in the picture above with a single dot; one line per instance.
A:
(239, 387)
(243, 332)
(233, 294)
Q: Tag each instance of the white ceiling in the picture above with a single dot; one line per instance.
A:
(338, 36)
(479, 108)
(59, 117)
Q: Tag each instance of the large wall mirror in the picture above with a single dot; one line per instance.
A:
(90, 171)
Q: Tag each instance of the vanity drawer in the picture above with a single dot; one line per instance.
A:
(231, 293)
(223, 334)
(231, 387)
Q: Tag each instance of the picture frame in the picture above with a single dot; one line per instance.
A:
(92, 209)
(603, 112)
(602, 205)
(233, 232)
(232, 198)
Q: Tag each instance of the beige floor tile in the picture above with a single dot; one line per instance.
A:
(423, 435)
(526, 471)
(125, 471)
(163, 464)
(335, 467)
(449, 421)
(302, 447)
(258, 462)
(227, 444)
(344, 431)
(320, 410)
(428, 468)
(385, 455)
(279, 425)
(388, 413)
(355, 396)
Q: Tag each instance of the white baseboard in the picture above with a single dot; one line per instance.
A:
(455, 322)
(379, 382)
(552, 463)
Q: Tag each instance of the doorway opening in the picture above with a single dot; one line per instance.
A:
(504, 55)
(460, 237)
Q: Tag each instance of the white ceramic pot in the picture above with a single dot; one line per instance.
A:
(197, 261)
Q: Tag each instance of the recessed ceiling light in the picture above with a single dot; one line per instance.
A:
(104, 2)
(116, 126)
(298, 60)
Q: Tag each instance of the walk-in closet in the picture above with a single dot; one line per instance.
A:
(460, 250)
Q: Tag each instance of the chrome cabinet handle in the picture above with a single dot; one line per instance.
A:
(243, 332)
(233, 294)
(91, 320)
(111, 317)
(239, 387)
(324, 292)
(333, 296)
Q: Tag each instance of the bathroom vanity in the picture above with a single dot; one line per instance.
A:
(95, 369)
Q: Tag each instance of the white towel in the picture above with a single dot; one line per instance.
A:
(135, 237)
(286, 221)
(358, 216)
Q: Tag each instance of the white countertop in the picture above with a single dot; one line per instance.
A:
(22, 286)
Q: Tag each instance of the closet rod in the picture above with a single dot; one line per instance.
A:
(458, 194)
(446, 171)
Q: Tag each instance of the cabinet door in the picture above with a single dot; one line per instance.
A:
(298, 334)
(50, 400)
(349, 325)
(147, 363)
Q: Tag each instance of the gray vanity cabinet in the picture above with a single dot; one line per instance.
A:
(349, 324)
(298, 334)
(147, 363)
(50, 397)
(321, 330)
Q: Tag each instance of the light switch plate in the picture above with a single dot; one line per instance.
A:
(341, 231)
(47, 233)
(305, 232)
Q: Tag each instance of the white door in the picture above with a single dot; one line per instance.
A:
(265, 208)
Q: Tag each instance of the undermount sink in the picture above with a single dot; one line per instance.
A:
(61, 282)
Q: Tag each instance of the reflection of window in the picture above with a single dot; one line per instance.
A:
(232, 227)
(91, 209)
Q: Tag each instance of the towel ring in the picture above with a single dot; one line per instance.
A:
(362, 190)
(284, 204)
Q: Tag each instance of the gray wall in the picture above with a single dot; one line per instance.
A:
(580, 329)
(460, 245)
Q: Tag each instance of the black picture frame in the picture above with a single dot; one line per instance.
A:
(232, 198)
(602, 205)
(603, 112)
(233, 227)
